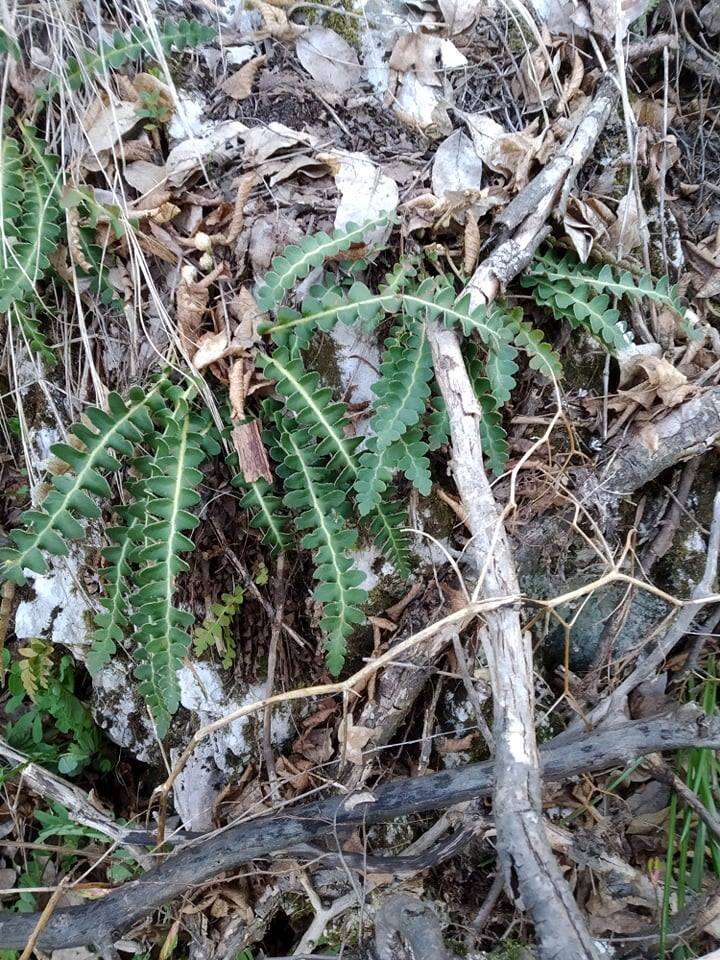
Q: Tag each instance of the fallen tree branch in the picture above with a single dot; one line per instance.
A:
(524, 852)
(523, 221)
(102, 922)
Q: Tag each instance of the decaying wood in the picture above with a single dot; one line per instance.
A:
(523, 221)
(401, 916)
(76, 801)
(523, 849)
(102, 921)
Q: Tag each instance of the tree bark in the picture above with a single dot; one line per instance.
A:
(523, 848)
(102, 922)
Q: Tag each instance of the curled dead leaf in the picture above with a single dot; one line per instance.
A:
(238, 85)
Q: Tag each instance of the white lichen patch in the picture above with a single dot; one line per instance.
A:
(60, 610)
(203, 691)
(189, 117)
(364, 560)
(358, 359)
(121, 713)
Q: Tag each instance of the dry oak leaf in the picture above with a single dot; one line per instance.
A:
(191, 301)
(605, 17)
(511, 154)
(277, 25)
(238, 85)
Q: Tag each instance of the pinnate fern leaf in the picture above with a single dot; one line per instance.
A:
(313, 405)
(493, 437)
(112, 621)
(11, 191)
(215, 631)
(325, 306)
(38, 231)
(298, 259)
(46, 529)
(161, 628)
(266, 511)
(180, 35)
(322, 506)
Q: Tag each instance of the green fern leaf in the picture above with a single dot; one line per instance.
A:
(313, 405)
(322, 506)
(402, 392)
(605, 280)
(47, 528)
(161, 628)
(542, 356)
(493, 438)
(215, 631)
(387, 525)
(298, 259)
(112, 620)
(37, 236)
(409, 453)
(179, 35)
(11, 192)
(324, 307)
(438, 299)
(437, 424)
(266, 511)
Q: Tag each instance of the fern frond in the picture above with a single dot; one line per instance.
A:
(605, 280)
(24, 316)
(179, 35)
(491, 324)
(409, 454)
(298, 259)
(161, 628)
(112, 620)
(532, 342)
(322, 505)
(493, 438)
(387, 523)
(265, 509)
(37, 236)
(215, 631)
(312, 403)
(11, 191)
(47, 528)
(402, 393)
(437, 424)
(35, 667)
(324, 307)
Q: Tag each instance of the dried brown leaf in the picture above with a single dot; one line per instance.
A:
(238, 85)
(252, 456)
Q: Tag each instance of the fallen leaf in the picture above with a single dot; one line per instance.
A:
(586, 221)
(365, 191)
(456, 166)
(662, 381)
(329, 59)
(611, 18)
(354, 738)
(252, 456)
(628, 232)
(511, 154)
(238, 85)
(187, 156)
(460, 14)
(262, 142)
(145, 177)
(110, 124)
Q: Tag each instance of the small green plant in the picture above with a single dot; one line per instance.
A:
(122, 49)
(215, 632)
(55, 727)
(154, 108)
(330, 486)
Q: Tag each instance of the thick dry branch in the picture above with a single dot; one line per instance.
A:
(523, 221)
(104, 920)
(523, 848)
